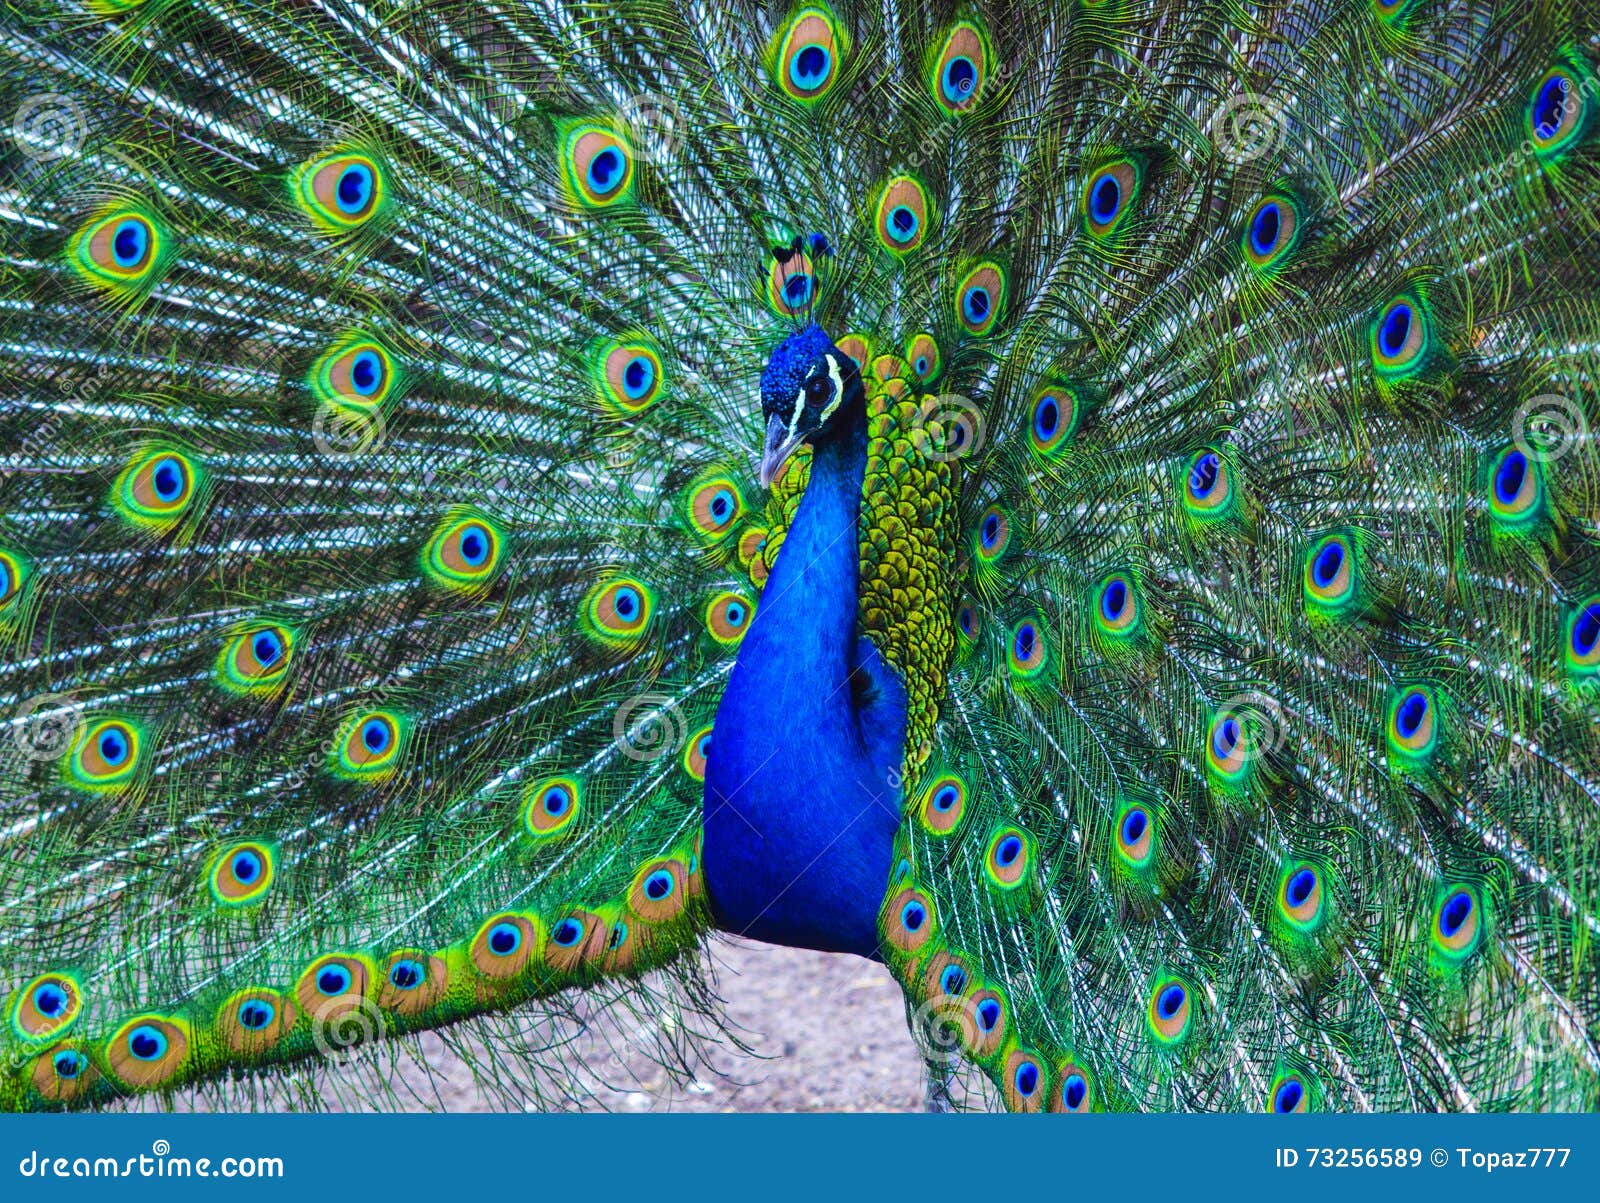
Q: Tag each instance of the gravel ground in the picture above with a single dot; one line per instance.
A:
(827, 1033)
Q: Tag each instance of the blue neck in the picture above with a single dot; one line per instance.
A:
(801, 797)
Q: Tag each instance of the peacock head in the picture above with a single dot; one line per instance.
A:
(806, 387)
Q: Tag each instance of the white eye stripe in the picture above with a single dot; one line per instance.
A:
(838, 389)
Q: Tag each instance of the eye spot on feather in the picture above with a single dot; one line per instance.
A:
(340, 191)
(464, 553)
(994, 534)
(728, 616)
(979, 298)
(550, 806)
(810, 50)
(1136, 834)
(413, 981)
(630, 377)
(1207, 486)
(660, 891)
(1300, 897)
(253, 1021)
(242, 875)
(1271, 232)
(370, 745)
(147, 1051)
(616, 613)
(1009, 858)
(1516, 491)
(106, 757)
(713, 505)
(961, 68)
(503, 945)
(1170, 1011)
(695, 752)
(1583, 638)
(1026, 651)
(1024, 1082)
(1055, 420)
(1109, 196)
(156, 488)
(1073, 1093)
(356, 375)
(256, 660)
(1289, 1096)
(1116, 610)
(1413, 726)
(984, 1022)
(1330, 574)
(909, 921)
(1400, 338)
(598, 166)
(1558, 112)
(1457, 923)
(943, 804)
(924, 358)
(332, 986)
(14, 572)
(1229, 748)
(968, 623)
(578, 939)
(120, 251)
(791, 284)
(46, 1006)
(903, 215)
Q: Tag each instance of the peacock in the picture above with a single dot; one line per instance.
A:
(1091, 504)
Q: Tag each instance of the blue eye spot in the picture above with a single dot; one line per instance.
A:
(68, 1064)
(1025, 642)
(504, 939)
(626, 603)
(659, 885)
(1586, 631)
(113, 748)
(1265, 228)
(605, 170)
(375, 735)
(637, 377)
(147, 1043)
(988, 1014)
(953, 980)
(1300, 887)
(1226, 738)
(1288, 1096)
(355, 188)
(1329, 560)
(1551, 106)
(960, 77)
(267, 647)
(1010, 848)
(1027, 1079)
(256, 1014)
(1170, 1002)
(168, 479)
(1508, 480)
(809, 68)
(246, 867)
(1413, 709)
(797, 290)
(1046, 418)
(366, 373)
(1074, 1091)
(474, 546)
(568, 932)
(129, 243)
(1203, 476)
(903, 225)
(946, 798)
(968, 620)
(1457, 910)
(921, 366)
(333, 981)
(991, 530)
(1105, 199)
(1134, 825)
(49, 1000)
(1113, 599)
(406, 975)
(1395, 330)
(913, 915)
(556, 801)
(975, 305)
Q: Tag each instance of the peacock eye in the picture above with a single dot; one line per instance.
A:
(818, 389)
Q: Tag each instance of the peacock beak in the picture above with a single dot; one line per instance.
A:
(778, 446)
